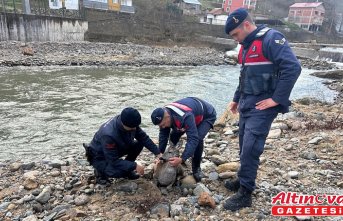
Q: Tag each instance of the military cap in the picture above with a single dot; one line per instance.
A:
(157, 116)
(235, 19)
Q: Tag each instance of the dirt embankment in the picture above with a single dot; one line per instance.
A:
(107, 54)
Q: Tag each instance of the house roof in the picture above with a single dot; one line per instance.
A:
(306, 5)
(216, 11)
(194, 2)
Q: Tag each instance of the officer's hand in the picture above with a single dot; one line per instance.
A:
(175, 161)
(233, 107)
(265, 104)
(140, 169)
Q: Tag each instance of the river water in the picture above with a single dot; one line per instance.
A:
(47, 112)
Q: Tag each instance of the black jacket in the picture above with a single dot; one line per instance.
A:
(111, 140)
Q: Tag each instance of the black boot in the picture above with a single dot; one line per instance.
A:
(198, 174)
(232, 185)
(101, 178)
(133, 175)
(240, 200)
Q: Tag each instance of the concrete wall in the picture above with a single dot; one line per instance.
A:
(41, 28)
(316, 54)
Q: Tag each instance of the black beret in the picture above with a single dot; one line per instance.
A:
(130, 117)
(235, 19)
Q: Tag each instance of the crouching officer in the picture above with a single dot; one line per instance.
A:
(192, 116)
(119, 136)
(269, 70)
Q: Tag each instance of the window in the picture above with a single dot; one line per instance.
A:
(115, 1)
(54, 3)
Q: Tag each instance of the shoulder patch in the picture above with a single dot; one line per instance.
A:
(280, 41)
(110, 145)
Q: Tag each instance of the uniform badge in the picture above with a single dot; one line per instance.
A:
(236, 20)
(281, 41)
(110, 145)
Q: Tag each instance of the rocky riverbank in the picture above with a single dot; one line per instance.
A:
(106, 54)
(13, 53)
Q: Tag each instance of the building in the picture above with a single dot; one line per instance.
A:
(124, 6)
(215, 17)
(308, 16)
(190, 7)
(231, 5)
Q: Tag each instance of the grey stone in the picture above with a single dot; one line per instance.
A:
(30, 218)
(44, 196)
(213, 176)
(128, 187)
(293, 174)
(58, 208)
(36, 192)
(31, 174)
(315, 140)
(208, 141)
(57, 164)
(37, 207)
(3, 206)
(218, 198)
(265, 185)
(28, 166)
(281, 126)
(68, 198)
(15, 166)
(175, 210)
(201, 188)
(28, 198)
(81, 200)
(218, 160)
(161, 209)
(309, 155)
(49, 217)
(229, 132)
(193, 200)
(274, 134)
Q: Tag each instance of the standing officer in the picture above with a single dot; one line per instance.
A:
(119, 136)
(269, 70)
(192, 116)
